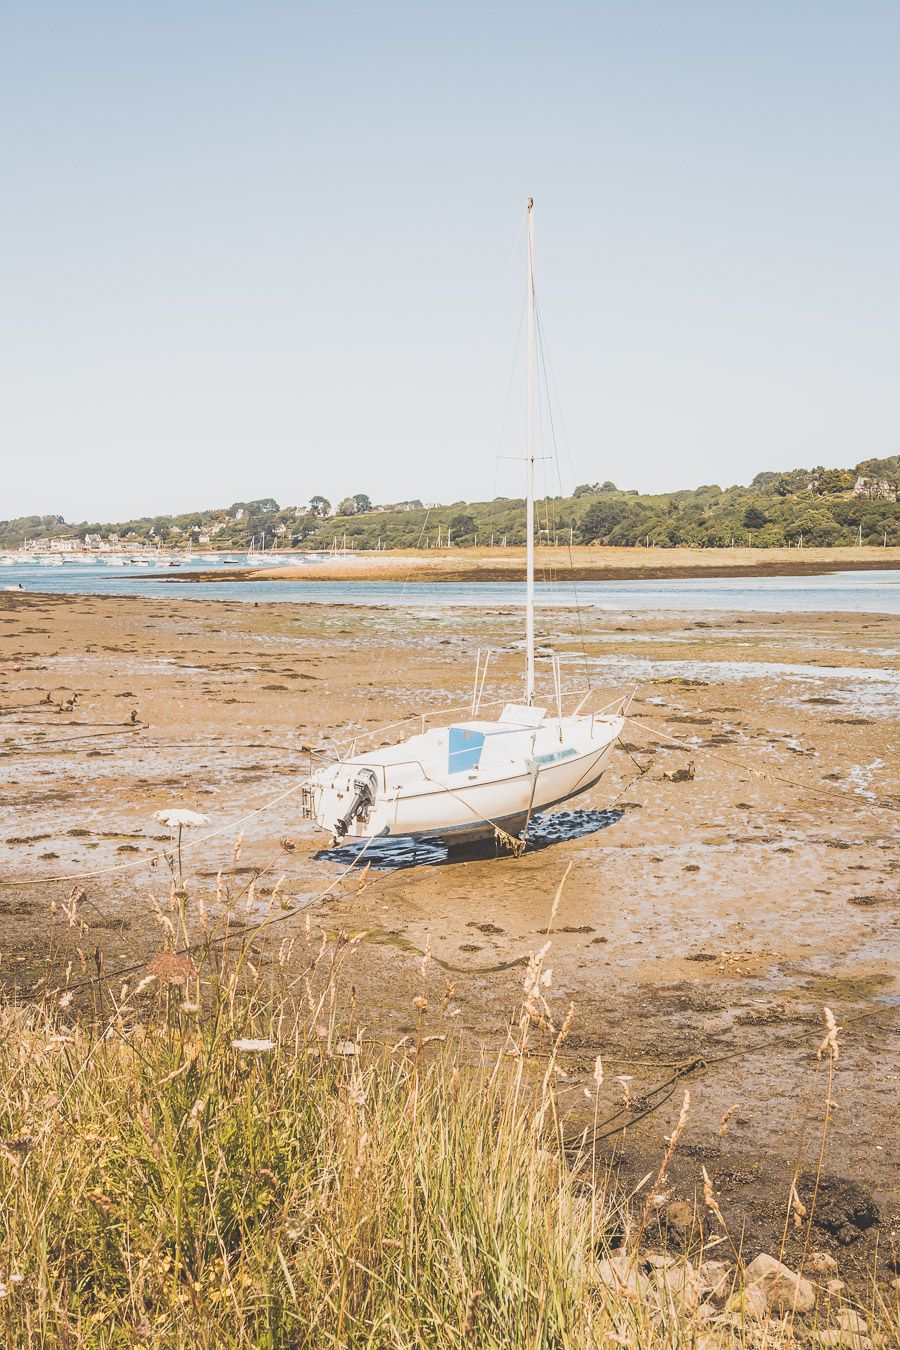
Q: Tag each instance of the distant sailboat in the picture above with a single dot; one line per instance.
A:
(474, 778)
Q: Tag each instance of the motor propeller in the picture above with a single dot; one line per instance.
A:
(365, 784)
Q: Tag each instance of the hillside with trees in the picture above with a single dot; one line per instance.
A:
(817, 507)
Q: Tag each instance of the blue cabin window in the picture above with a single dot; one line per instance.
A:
(464, 749)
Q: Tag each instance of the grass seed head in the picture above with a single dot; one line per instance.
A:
(830, 1043)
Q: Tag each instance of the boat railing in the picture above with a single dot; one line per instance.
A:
(426, 719)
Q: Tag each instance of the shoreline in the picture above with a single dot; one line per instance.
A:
(581, 564)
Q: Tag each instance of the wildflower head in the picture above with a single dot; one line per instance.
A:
(248, 1046)
(170, 968)
(180, 819)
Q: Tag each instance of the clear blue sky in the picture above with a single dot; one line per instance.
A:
(258, 248)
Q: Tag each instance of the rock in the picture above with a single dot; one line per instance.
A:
(681, 775)
(679, 1214)
(621, 1276)
(748, 1303)
(783, 1289)
(852, 1321)
(850, 1335)
(678, 1283)
(716, 1279)
(843, 1208)
(821, 1263)
(835, 1287)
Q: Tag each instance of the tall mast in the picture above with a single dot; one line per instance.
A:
(529, 494)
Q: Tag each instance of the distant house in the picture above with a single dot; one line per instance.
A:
(92, 541)
(876, 489)
(202, 538)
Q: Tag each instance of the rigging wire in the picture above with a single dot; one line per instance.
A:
(512, 375)
(546, 366)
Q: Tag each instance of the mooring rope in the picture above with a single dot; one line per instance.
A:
(768, 774)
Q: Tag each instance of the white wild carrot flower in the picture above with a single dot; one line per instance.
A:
(247, 1045)
(177, 818)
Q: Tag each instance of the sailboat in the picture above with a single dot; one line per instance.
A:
(478, 777)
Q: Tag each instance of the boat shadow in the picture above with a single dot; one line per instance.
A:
(391, 855)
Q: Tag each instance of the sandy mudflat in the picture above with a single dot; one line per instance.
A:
(581, 564)
(705, 919)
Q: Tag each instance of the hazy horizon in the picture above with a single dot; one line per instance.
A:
(286, 504)
(270, 249)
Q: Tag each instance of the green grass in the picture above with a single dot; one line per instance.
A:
(162, 1187)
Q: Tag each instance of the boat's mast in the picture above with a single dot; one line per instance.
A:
(529, 495)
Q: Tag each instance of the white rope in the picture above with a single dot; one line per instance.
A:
(147, 862)
(813, 788)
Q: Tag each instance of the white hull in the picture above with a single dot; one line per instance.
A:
(417, 791)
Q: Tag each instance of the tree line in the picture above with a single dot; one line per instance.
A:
(817, 507)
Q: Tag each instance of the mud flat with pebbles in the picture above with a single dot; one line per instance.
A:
(704, 922)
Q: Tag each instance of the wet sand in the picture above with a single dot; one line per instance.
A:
(579, 564)
(705, 920)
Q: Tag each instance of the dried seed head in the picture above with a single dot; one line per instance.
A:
(709, 1198)
(566, 1026)
(830, 1043)
(102, 1202)
(797, 1206)
(471, 1314)
(723, 1123)
(598, 1073)
(170, 968)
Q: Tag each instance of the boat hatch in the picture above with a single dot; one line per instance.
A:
(522, 715)
(465, 747)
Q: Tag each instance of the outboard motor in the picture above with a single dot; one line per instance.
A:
(365, 784)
